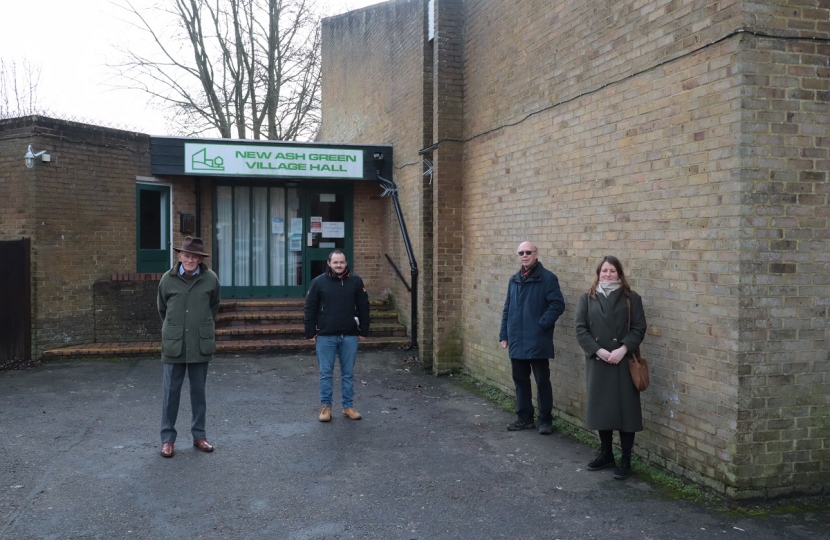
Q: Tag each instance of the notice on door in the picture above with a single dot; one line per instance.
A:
(277, 225)
(296, 226)
(316, 224)
(334, 229)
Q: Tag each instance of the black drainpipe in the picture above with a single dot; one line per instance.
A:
(389, 187)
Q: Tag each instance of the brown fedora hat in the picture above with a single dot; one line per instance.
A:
(193, 245)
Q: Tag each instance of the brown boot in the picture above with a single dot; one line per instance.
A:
(325, 413)
(352, 413)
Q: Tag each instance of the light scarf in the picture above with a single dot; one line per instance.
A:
(607, 287)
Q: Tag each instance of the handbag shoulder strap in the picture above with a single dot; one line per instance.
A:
(628, 301)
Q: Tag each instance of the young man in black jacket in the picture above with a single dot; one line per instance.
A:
(336, 319)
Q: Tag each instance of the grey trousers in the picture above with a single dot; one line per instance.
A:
(172, 388)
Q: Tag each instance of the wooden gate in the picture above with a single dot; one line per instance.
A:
(15, 302)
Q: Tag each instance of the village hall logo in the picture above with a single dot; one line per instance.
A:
(200, 162)
(272, 160)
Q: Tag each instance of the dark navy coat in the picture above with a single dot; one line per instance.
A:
(530, 312)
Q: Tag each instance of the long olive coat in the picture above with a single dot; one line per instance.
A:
(613, 402)
(187, 309)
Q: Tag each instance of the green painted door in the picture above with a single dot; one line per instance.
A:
(330, 224)
(152, 228)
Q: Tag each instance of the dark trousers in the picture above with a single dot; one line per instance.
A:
(524, 393)
(626, 440)
(172, 388)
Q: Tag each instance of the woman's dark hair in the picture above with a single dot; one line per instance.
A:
(592, 292)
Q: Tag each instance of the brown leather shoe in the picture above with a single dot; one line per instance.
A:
(352, 413)
(203, 445)
(325, 413)
(167, 449)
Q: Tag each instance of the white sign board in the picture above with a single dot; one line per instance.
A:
(209, 159)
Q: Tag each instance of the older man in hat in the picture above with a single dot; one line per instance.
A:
(188, 302)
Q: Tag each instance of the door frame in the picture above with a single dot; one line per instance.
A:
(311, 254)
(155, 265)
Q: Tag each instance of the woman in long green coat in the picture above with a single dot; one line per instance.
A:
(610, 325)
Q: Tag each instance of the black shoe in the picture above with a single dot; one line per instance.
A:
(545, 429)
(519, 425)
(624, 470)
(605, 458)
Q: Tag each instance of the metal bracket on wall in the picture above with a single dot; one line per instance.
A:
(430, 169)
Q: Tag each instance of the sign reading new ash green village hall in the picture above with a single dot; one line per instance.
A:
(250, 160)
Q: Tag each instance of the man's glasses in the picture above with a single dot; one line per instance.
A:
(525, 253)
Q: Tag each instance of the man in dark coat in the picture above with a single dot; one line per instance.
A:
(188, 302)
(534, 303)
(336, 319)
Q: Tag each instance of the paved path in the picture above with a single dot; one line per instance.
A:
(79, 460)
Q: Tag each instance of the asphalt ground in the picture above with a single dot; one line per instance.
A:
(79, 459)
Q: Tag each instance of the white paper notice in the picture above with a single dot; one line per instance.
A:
(295, 243)
(334, 229)
(277, 225)
(296, 225)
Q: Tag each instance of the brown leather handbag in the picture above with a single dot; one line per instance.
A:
(639, 372)
(637, 366)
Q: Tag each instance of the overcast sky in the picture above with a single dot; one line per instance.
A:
(72, 41)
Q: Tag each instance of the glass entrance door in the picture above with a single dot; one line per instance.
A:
(329, 221)
(258, 238)
(271, 241)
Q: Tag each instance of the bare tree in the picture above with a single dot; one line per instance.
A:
(245, 68)
(18, 88)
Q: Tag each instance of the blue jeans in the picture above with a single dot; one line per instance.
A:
(346, 348)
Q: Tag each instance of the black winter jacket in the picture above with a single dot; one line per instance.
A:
(333, 302)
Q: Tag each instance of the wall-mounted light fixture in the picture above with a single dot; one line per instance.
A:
(31, 155)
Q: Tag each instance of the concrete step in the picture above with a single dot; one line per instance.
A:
(271, 317)
(254, 325)
(296, 331)
(282, 304)
(223, 347)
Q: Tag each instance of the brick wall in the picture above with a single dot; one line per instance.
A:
(126, 311)
(700, 163)
(79, 212)
(448, 245)
(184, 192)
(674, 135)
(17, 183)
(368, 260)
(363, 103)
(783, 289)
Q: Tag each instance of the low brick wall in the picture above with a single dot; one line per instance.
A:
(125, 308)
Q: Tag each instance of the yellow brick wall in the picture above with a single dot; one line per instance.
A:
(80, 214)
(364, 103)
(690, 139)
